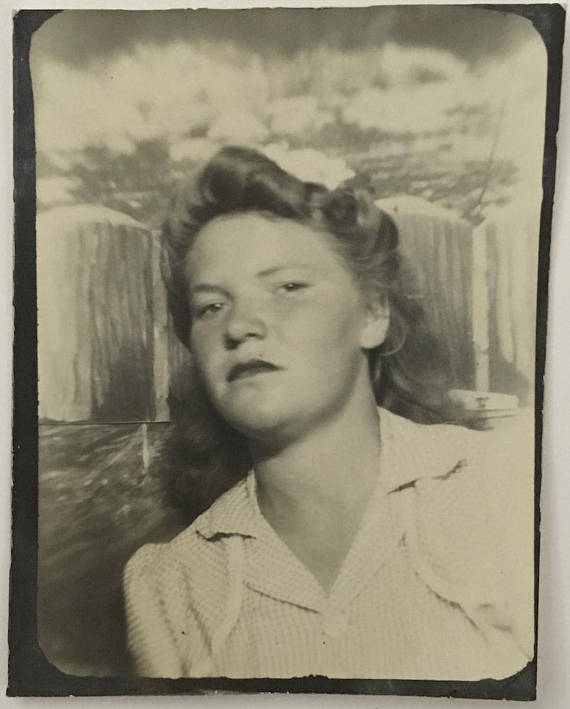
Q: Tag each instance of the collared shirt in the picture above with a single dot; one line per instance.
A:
(438, 583)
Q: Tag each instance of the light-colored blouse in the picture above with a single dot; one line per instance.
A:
(438, 584)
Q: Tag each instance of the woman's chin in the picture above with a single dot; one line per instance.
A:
(263, 422)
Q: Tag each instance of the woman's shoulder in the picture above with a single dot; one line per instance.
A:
(480, 474)
(469, 485)
(436, 453)
(191, 549)
(470, 520)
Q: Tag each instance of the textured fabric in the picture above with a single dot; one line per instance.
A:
(438, 583)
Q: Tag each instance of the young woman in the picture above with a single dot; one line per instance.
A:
(344, 540)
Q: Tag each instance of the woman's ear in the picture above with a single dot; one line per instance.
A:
(376, 322)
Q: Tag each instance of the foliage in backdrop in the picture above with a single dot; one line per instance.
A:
(441, 103)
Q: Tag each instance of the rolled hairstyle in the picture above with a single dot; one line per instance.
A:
(202, 455)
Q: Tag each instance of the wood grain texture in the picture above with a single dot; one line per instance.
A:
(438, 255)
(160, 334)
(95, 322)
(512, 249)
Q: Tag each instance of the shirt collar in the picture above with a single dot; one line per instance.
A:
(235, 512)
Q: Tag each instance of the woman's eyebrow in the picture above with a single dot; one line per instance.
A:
(213, 288)
(208, 288)
(285, 267)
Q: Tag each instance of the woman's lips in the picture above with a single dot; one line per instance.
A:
(243, 370)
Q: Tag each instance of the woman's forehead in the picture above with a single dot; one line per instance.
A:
(253, 241)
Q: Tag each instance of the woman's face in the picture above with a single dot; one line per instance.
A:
(279, 326)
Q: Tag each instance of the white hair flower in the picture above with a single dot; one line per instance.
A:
(309, 165)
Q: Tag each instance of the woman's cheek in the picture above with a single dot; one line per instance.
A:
(202, 331)
(332, 327)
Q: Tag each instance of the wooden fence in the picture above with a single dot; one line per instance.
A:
(104, 348)
(107, 351)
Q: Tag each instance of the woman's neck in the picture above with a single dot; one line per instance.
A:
(332, 470)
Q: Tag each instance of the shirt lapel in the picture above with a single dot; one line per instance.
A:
(271, 568)
(407, 455)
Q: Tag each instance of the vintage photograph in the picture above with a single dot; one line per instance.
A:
(287, 283)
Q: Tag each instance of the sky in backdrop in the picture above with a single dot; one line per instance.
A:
(420, 97)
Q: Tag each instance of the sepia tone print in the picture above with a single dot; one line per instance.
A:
(177, 148)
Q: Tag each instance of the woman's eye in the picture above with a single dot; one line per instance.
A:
(208, 311)
(292, 286)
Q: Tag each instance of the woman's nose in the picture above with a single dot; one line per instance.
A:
(245, 323)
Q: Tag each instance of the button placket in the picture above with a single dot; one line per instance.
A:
(334, 622)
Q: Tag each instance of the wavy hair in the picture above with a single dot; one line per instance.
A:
(203, 456)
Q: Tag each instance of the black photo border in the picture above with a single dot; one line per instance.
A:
(30, 673)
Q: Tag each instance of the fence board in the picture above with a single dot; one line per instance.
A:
(160, 331)
(95, 317)
(438, 251)
(512, 253)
